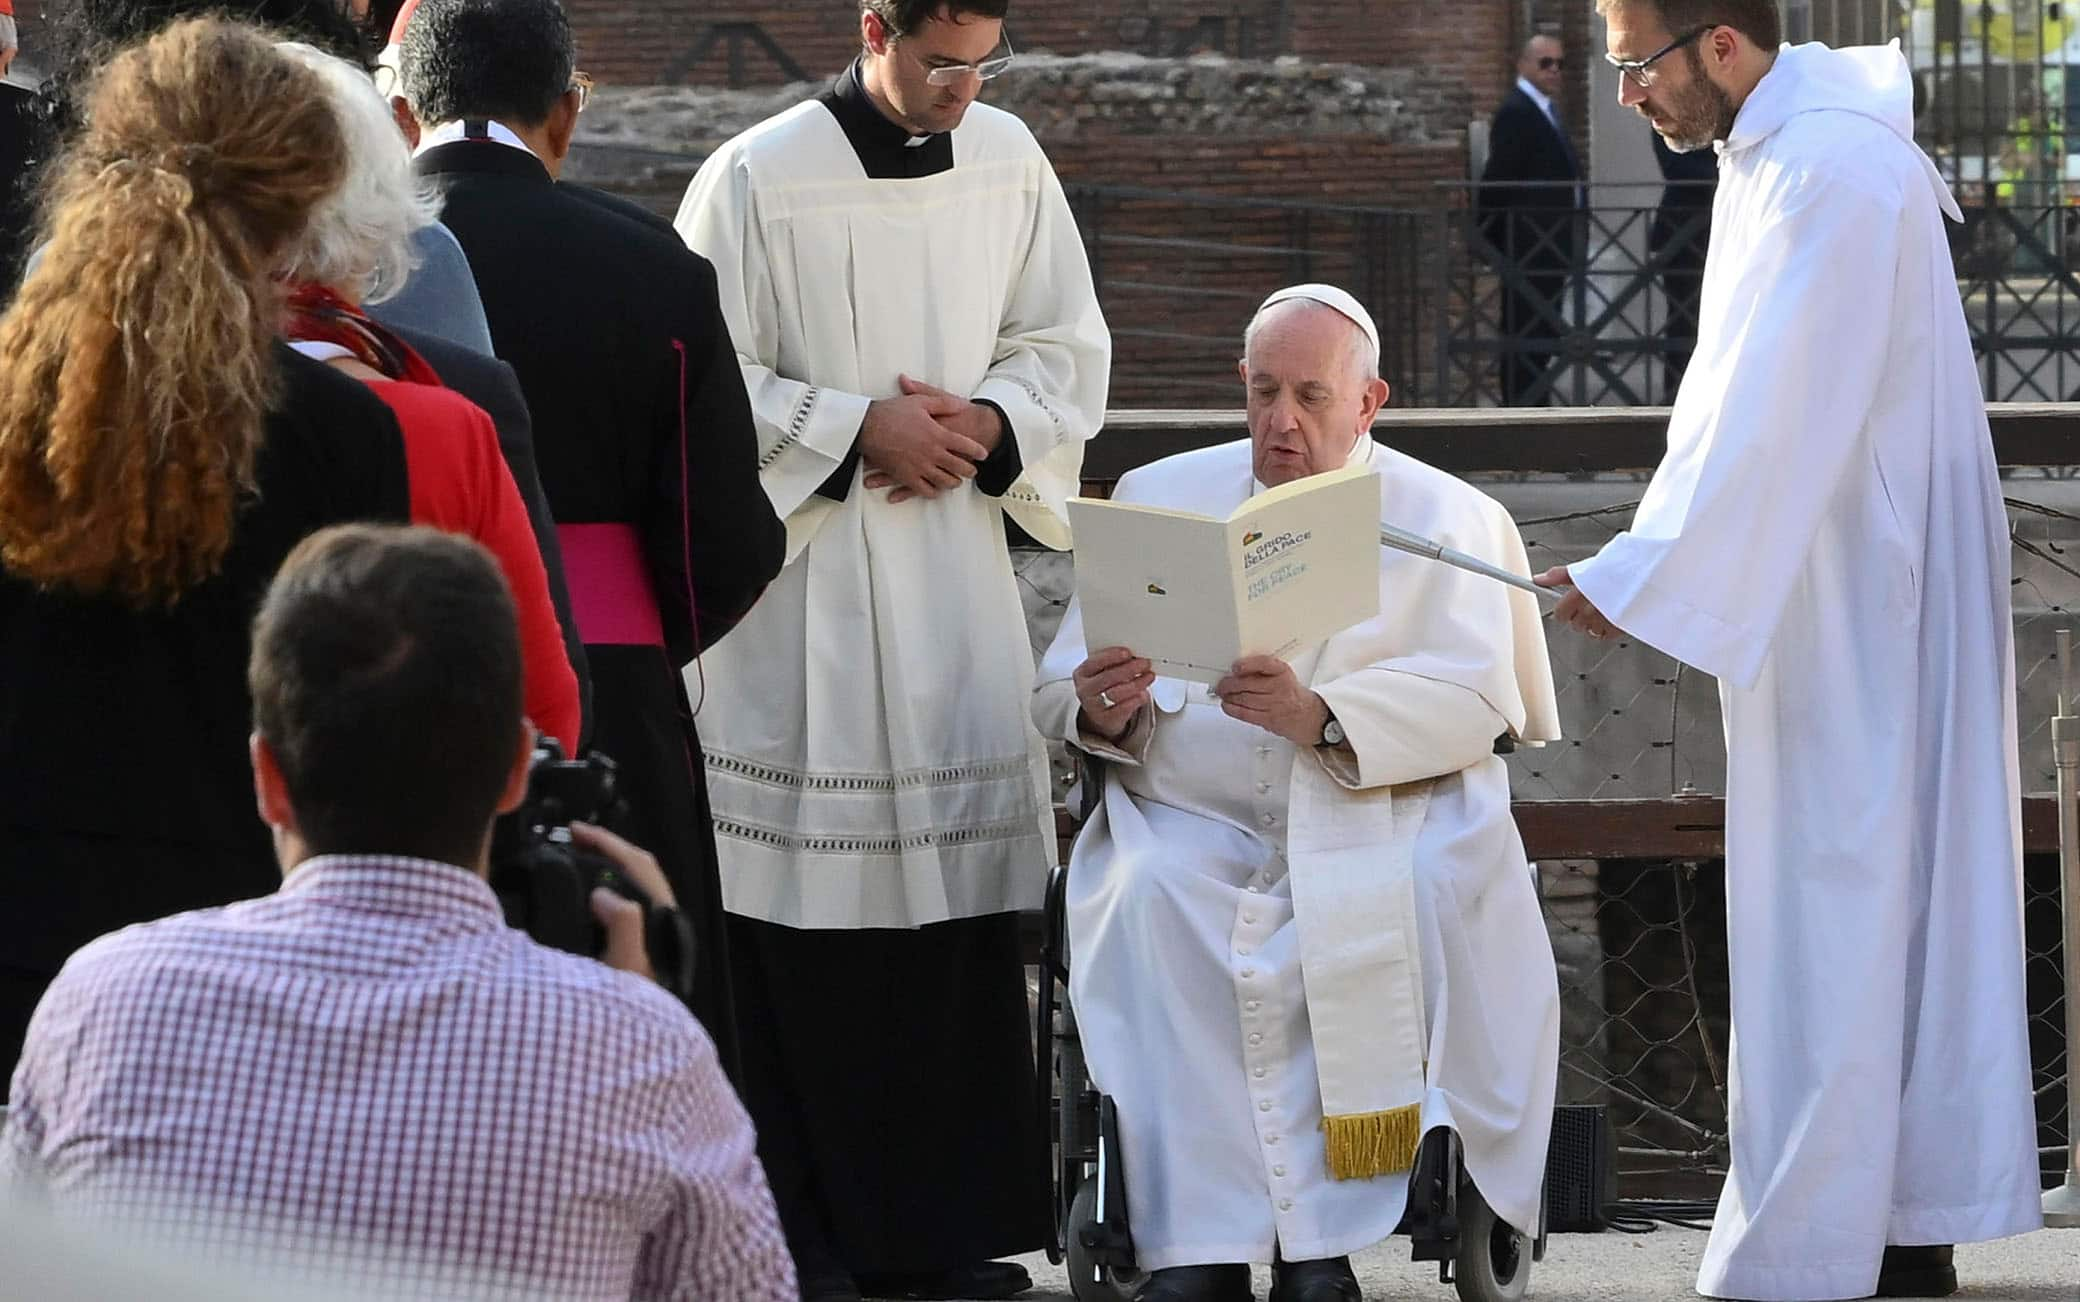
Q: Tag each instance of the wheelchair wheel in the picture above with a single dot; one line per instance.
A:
(1089, 1282)
(1492, 1259)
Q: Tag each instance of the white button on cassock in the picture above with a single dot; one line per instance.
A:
(1264, 1105)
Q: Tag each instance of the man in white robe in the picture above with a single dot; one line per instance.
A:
(1341, 818)
(925, 355)
(1826, 536)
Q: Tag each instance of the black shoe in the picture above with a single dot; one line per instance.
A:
(1920, 1271)
(1197, 1284)
(987, 1279)
(829, 1286)
(1328, 1280)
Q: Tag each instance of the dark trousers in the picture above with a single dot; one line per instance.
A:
(1532, 304)
(1682, 282)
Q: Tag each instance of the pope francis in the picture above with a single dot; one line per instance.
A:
(1303, 926)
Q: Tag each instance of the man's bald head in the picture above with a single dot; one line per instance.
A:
(1541, 62)
(1311, 375)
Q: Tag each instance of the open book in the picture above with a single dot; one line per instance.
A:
(1194, 594)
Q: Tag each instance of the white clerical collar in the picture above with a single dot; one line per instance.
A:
(1538, 97)
(447, 133)
(318, 350)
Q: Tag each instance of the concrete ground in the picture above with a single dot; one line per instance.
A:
(1662, 1267)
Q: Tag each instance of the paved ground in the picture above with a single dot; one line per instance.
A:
(1662, 1267)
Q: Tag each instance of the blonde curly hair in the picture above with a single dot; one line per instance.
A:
(136, 365)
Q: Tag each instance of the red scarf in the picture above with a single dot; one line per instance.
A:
(318, 315)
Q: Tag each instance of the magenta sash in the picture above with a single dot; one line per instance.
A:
(611, 597)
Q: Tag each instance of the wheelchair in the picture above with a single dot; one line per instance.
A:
(1447, 1220)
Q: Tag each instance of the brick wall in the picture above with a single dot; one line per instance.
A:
(736, 44)
(1357, 102)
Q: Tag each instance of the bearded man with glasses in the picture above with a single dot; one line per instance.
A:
(1826, 537)
(921, 340)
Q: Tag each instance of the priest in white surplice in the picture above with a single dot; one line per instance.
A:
(1826, 536)
(925, 356)
(1296, 891)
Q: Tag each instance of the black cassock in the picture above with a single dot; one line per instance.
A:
(644, 441)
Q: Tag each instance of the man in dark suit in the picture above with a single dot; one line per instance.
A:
(1530, 204)
(1676, 243)
(642, 429)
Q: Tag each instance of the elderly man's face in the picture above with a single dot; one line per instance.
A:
(1310, 398)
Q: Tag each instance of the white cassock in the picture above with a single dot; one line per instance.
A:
(1826, 535)
(1185, 966)
(870, 758)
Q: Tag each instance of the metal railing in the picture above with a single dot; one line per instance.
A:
(1482, 306)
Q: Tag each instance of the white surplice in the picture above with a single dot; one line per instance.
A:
(870, 758)
(1185, 957)
(1826, 535)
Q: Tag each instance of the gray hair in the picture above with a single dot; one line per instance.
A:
(360, 240)
(1364, 358)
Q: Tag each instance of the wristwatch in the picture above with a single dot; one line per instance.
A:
(1332, 733)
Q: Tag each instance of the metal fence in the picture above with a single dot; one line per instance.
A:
(1638, 930)
(1597, 305)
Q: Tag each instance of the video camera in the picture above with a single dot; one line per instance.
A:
(545, 881)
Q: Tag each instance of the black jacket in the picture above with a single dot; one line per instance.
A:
(1686, 202)
(491, 384)
(1529, 219)
(128, 727)
(640, 416)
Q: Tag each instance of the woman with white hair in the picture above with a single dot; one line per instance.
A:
(358, 249)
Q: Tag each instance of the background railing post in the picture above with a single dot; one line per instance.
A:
(2062, 1205)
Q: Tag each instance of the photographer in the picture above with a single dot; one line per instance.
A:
(368, 1078)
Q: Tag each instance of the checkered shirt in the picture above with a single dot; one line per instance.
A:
(368, 1078)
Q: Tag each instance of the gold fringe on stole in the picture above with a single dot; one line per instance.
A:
(1367, 1144)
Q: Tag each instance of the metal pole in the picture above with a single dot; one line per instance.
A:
(2062, 1205)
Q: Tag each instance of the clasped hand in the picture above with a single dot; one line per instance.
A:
(925, 442)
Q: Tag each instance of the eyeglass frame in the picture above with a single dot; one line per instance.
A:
(1552, 62)
(1640, 72)
(582, 83)
(947, 74)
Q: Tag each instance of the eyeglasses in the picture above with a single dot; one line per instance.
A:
(948, 74)
(1641, 71)
(1549, 63)
(581, 82)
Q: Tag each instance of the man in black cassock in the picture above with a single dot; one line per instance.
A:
(642, 429)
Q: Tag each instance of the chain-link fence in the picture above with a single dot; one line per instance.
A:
(1640, 942)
